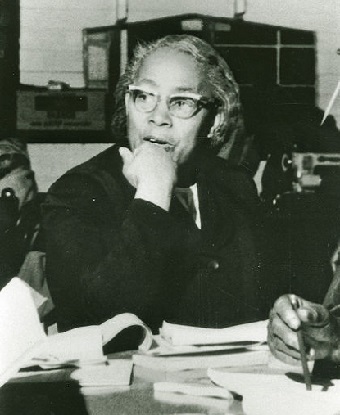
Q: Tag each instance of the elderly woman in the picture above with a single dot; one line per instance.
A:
(121, 232)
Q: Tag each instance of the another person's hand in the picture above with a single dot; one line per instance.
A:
(320, 330)
(152, 171)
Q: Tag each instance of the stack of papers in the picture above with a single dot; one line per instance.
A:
(24, 342)
(184, 347)
(98, 379)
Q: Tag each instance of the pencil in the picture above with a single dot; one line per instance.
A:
(302, 348)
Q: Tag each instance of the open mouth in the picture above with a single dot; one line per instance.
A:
(167, 146)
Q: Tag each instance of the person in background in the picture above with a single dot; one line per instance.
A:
(320, 324)
(19, 209)
(121, 235)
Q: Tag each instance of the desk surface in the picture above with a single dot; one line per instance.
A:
(53, 392)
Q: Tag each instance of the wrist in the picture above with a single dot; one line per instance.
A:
(334, 344)
(160, 195)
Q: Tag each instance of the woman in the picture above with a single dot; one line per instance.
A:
(119, 238)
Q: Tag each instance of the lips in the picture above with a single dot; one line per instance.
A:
(159, 141)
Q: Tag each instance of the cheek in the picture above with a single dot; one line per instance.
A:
(187, 142)
(190, 132)
(135, 126)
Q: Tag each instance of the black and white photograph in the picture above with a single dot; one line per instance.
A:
(169, 207)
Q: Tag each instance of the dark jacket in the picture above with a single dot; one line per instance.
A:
(109, 253)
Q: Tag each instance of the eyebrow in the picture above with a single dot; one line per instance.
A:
(151, 83)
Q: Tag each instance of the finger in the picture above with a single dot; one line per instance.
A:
(308, 315)
(281, 350)
(126, 155)
(282, 335)
(315, 315)
(284, 309)
(290, 360)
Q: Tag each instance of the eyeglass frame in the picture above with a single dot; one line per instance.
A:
(199, 100)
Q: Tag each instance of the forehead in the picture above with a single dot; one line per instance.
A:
(170, 69)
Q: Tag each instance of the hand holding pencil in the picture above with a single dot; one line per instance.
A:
(318, 328)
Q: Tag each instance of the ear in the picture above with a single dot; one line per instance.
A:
(218, 121)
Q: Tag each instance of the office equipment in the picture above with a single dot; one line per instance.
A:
(309, 168)
(62, 115)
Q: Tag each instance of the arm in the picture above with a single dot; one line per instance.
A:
(104, 259)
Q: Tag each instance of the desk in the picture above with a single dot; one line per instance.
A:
(53, 392)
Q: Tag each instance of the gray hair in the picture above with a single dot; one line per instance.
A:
(217, 74)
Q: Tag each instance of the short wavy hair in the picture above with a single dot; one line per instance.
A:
(218, 75)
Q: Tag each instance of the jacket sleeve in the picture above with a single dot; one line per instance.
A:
(102, 259)
(332, 298)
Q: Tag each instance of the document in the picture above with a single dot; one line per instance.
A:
(232, 358)
(181, 335)
(115, 372)
(184, 347)
(24, 342)
(20, 330)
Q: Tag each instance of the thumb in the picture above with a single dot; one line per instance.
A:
(126, 155)
(314, 314)
(308, 315)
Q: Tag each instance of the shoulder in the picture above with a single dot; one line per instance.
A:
(234, 182)
(94, 178)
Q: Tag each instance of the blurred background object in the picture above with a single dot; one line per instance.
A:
(19, 207)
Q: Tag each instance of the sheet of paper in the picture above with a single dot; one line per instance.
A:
(164, 348)
(116, 324)
(180, 335)
(84, 343)
(211, 404)
(233, 358)
(194, 389)
(20, 330)
(279, 394)
(116, 372)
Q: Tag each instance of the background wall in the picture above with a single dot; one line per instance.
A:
(51, 48)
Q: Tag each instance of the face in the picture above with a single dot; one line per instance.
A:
(166, 73)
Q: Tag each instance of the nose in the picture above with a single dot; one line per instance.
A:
(160, 116)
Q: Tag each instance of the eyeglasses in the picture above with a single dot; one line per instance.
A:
(182, 105)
